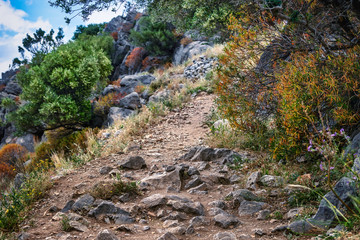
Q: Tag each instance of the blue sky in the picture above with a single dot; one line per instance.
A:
(19, 17)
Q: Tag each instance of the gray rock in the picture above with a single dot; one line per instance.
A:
(280, 228)
(133, 162)
(193, 171)
(170, 223)
(187, 206)
(226, 220)
(116, 113)
(164, 180)
(68, 206)
(249, 208)
(325, 214)
(128, 83)
(179, 230)
(131, 101)
(301, 226)
(215, 211)
(293, 212)
(78, 226)
(24, 236)
(272, 181)
(123, 218)
(185, 52)
(106, 235)
(263, 214)
(219, 204)
(259, 232)
(244, 193)
(252, 180)
(27, 141)
(194, 182)
(199, 221)
(168, 236)
(160, 96)
(154, 200)
(110, 89)
(225, 236)
(190, 230)
(106, 207)
(13, 88)
(234, 179)
(337, 231)
(83, 203)
(105, 170)
(201, 187)
(19, 180)
(175, 216)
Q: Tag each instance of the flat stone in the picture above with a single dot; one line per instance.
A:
(133, 162)
(199, 221)
(249, 208)
(225, 236)
(154, 200)
(226, 220)
(78, 226)
(106, 235)
(168, 236)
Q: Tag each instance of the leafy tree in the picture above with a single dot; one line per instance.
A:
(85, 8)
(57, 91)
(38, 45)
(155, 37)
(91, 30)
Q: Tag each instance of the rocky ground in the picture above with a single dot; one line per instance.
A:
(186, 191)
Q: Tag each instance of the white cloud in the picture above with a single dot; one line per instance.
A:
(13, 20)
(103, 16)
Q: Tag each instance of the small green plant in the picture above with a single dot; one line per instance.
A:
(65, 224)
(277, 215)
(8, 103)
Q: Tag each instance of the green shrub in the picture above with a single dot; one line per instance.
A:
(58, 90)
(156, 38)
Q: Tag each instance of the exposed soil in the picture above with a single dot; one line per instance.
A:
(160, 145)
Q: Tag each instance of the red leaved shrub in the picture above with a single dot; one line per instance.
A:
(115, 35)
(135, 58)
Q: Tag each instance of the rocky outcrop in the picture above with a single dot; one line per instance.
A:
(183, 53)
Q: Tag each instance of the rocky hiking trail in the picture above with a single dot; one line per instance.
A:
(186, 190)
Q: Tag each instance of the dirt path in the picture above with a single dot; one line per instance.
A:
(160, 147)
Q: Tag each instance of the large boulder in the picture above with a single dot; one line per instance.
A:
(183, 53)
(129, 82)
(131, 101)
(117, 113)
(27, 141)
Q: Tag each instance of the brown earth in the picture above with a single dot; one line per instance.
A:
(160, 146)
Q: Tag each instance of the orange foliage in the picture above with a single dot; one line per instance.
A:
(116, 83)
(2, 87)
(115, 35)
(139, 89)
(138, 16)
(135, 58)
(17, 99)
(13, 155)
(150, 62)
(6, 171)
